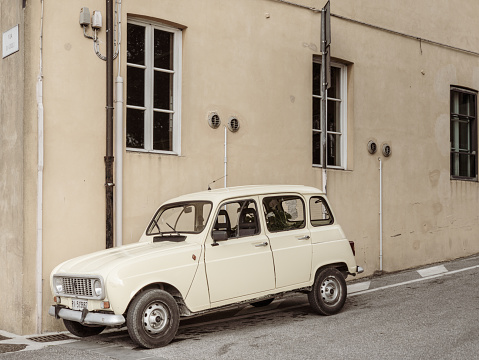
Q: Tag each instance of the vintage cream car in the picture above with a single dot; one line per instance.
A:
(205, 251)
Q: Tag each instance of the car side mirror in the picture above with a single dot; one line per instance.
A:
(219, 235)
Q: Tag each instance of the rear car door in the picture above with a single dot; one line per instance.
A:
(241, 264)
(290, 238)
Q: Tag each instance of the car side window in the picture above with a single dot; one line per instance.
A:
(320, 212)
(238, 219)
(283, 213)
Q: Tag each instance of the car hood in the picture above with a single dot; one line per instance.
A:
(103, 261)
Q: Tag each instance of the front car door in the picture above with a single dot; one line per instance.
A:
(290, 238)
(242, 264)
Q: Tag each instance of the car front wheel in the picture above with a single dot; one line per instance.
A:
(329, 292)
(153, 319)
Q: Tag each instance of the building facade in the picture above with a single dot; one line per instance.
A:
(202, 77)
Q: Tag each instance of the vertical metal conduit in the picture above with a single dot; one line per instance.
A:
(109, 126)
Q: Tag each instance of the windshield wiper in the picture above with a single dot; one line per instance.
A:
(175, 237)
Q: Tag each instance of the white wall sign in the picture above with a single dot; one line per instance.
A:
(10, 42)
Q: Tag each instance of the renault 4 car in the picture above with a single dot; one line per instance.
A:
(205, 251)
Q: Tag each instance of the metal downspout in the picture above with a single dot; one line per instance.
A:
(109, 158)
(119, 141)
(39, 253)
(380, 215)
(324, 103)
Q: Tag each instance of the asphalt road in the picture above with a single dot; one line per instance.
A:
(430, 313)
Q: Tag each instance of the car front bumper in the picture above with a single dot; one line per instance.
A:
(85, 317)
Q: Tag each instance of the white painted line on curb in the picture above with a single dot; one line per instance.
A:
(435, 270)
(416, 280)
(353, 288)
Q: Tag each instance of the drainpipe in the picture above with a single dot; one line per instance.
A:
(109, 158)
(39, 254)
(380, 215)
(119, 163)
(324, 102)
(119, 142)
(226, 157)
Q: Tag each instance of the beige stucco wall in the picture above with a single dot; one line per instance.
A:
(239, 61)
(11, 173)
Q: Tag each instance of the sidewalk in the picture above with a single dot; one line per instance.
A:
(115, 344)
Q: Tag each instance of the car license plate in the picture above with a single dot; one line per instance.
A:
(79, 304)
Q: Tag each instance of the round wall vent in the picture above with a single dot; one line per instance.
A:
(233, 124)
(214, 120)
(386, 150)
(372, 147)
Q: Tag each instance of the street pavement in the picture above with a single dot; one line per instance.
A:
(389, 316)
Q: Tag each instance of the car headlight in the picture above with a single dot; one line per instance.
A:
(58, 283)
(97, 288)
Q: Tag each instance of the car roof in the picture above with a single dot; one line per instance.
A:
(249, 190)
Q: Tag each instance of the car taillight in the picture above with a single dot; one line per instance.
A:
(351, 243)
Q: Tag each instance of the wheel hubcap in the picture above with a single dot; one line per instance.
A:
(330, 291)
(155, 318)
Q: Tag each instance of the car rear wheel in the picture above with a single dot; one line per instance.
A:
(80, 330)
(153, 319)
(329, 292)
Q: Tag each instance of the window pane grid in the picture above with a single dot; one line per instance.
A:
(155, 50)
(335, 117)
(463, 134)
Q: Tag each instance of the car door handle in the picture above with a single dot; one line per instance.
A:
(305, 237)
(262, 244)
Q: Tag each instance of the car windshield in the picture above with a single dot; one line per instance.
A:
(186, 217)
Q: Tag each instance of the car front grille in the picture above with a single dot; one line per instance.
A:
(78, 286)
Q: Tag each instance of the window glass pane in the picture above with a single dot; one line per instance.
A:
(317, 148)
(163, 91)
(466, 104)
(333, 116)
(135, 52)
(463, 165)
(185, 217)
(135, 82)
(162, 131)
(316, 113)
(335, 90)
(454, 131)
(238, 219)
(334, 149)
(320, 213)
(163, 49)
(284, 213)
(316, 79)
(464, 136)
(135, 128)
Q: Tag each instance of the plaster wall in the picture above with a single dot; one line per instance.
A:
(11, 172)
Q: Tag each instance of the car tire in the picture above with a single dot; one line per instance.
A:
(80, 330)
(329, 292)
(153, 319)
(262, 303)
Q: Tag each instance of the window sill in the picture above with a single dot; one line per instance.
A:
(158, 152)
(458, 178)
(329, 167)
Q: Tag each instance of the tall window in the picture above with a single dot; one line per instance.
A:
(335, 117)
(153, 88)
(463, 133)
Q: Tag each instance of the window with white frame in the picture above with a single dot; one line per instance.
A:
(463, 133)
(336, 117)
(153, 87)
